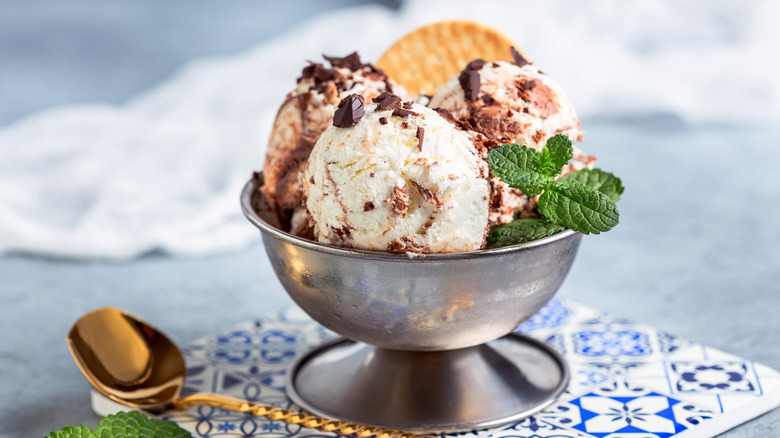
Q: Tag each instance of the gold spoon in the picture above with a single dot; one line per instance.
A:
(131, 362)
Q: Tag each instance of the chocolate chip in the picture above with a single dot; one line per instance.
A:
(351, 61)
(476, 64)
(519, 60)
(383, 120)
(368, 206)
(400, 112)
(469, 81)
(311, 180)
(420, 136)
(407, 105)
(349, 111)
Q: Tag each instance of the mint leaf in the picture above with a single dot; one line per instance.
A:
(125, 425)
(121, 425)
(519, 167)
(580, 207)
(521, 231)
(555, 155)
(162, 429)
(600, 180)
(73, 432)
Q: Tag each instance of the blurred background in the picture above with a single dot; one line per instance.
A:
(127, 129)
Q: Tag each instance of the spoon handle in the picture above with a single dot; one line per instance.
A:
(290, 417)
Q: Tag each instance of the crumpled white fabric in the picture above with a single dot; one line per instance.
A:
(164, 171)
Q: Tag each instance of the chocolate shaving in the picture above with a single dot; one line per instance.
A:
(396, 247)
(528, 85)
(383, 120)
(469, 81)
(400, 112)
(427, 194)
(368, 206)
(351, 61)
(386, 101)
(399, 201)
(420, 136)
(319, 73)
(349, 111)
(476, 64)
(342, 232)
(407, 105)
(519, 60)
(446, 114)
(488, 99)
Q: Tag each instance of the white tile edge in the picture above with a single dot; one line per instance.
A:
(723, 422)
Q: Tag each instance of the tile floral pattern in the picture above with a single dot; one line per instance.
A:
(627, 380)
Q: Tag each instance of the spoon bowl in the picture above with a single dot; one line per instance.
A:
(126, 359)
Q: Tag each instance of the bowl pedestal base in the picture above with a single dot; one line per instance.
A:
(498, 382)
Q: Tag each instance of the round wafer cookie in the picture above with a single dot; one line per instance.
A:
(423, 60)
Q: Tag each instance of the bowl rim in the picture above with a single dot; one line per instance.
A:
(252, 186)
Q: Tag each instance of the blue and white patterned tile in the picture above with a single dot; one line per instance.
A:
(612, 345)
(708, 377)
(555, 315)
(622, 409)
(536, 428)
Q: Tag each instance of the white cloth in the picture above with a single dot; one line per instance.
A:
(164, 171)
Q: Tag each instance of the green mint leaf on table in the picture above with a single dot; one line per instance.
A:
(74, 432)
(519, 167)
(125, 425)
(162, 429)
(556, 154)
(121, 425)
(521, 231)
(577, 206)
(600, 180)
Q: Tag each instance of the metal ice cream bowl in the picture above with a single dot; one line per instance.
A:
(426, 313)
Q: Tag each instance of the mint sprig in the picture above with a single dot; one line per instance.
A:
(583, 201)
(520, 167)
(521, 231)
(125, 425)
(600, 180)
(579, 207)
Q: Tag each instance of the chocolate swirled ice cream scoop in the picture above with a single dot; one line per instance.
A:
(303, 116)
(503, 102)
(398, 177)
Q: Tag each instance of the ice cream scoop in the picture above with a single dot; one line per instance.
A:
(400, 179)
(303, 116)
(503, 102)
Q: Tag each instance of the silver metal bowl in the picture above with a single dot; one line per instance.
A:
(423, 303)
(418, 305)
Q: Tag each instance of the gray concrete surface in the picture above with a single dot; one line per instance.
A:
(697, 253)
